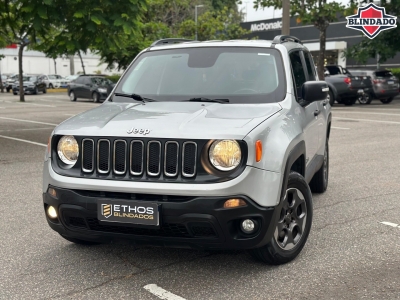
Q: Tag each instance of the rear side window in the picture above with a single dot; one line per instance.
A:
(79, 80)
(383, 74)
(310, 66)
(298, 71)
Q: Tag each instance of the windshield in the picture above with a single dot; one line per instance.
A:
(30, 78)
(242, 75)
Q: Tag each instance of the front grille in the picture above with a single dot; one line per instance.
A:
(87, 155)
(76, 222)
(203, 231)
(167, 230)
(139, 158)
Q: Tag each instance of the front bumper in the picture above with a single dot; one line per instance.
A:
(198, 222)
(26, 90)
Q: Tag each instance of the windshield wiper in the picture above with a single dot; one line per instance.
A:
(202, 99)
(136, 97)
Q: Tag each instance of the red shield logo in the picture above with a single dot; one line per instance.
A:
(371, 20)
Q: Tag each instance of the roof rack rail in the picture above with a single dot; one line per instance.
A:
(169, 41)
(279, 39)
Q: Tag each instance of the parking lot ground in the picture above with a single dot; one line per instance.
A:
(353, 250)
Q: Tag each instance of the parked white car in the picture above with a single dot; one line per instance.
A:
(54, 81)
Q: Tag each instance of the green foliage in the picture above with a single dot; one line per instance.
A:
(387, 43)
(396, 72)
(114, 78)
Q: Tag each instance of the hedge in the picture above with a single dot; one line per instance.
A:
(396, 72)
(114, 78)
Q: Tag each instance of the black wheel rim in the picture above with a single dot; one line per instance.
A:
(292, 221)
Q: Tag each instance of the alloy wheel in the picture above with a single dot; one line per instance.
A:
(292, 220)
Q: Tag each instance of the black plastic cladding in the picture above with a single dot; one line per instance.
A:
(201, 175)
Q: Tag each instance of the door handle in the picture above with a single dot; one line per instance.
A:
(316, 112)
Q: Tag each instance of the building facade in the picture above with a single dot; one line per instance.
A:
(35, 62)
(338, 39)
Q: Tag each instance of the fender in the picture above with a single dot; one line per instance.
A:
(295, 153)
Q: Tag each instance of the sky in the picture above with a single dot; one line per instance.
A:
(267, 13)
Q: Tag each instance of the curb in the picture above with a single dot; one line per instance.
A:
(57, 91)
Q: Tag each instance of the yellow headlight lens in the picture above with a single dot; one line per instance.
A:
(225, 155)
(68, 150)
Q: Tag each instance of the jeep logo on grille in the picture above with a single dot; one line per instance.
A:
(138, 131)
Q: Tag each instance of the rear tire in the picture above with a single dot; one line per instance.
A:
(15, 93)
(79, 242)
(330, 98)
(387, 100)
(295, 220)
(320, 180)
(44, 90)
(72, 96)
(51, 86)
(365, 99)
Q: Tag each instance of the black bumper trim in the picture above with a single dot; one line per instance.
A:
(200, 223)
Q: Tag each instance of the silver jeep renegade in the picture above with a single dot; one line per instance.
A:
(210, 145)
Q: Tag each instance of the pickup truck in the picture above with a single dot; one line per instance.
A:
(343, 87)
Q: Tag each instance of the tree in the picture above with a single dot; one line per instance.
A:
(386, 44)
(98, 26)
(21, 21)
(319, 13)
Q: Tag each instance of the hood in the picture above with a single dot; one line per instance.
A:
(186, 120)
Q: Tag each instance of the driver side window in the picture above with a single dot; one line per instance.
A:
(298, 71)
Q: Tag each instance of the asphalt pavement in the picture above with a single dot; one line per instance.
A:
(353, 251)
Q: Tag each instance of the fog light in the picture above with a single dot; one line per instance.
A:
(52, 192)
(51, 212)
(248, 226)
(234, 203)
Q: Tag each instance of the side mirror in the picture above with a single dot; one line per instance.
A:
(314, 91)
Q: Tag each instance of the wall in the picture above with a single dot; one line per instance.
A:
(35, 62)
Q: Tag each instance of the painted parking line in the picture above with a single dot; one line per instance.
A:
(339, 127)
(21, 140)
(390, 224)
(367, 120)
(161, 293)
(27, 121)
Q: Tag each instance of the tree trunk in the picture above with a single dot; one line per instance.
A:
(83, 66)
(21, 72)
(72, 65)
(55, 66)
(321, 56)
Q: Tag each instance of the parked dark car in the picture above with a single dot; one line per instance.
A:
(344, 87)
(93, 87)
(11, 78)
(33, 84)
(385, 86)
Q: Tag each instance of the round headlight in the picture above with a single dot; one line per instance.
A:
(68, 150)
(225, 155)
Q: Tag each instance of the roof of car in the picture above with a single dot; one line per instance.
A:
(229, 43)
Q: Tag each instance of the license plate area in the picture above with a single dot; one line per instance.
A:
(390, 82)
(141, 213)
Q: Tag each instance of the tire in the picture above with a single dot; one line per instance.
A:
(72, 96)
(15, 93)
(274, 253)
(349, 101)
(51, 86)
(387, 100)
(44, 90)
(330, 98)
(365, 99)
(320, 180)
(8, 90)
(78, 241)
(96, 97)
(36, 91)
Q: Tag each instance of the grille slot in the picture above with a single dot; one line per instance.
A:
(153, 158)
(77, 222)
(87, 155)
(136, 157)
(189, 154)
(119, 157)
(171, 159)
(103, 156)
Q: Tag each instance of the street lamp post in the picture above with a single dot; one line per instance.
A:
(195, 17)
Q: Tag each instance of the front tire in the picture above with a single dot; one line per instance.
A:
(36, 91)
(44, 90)
(330, 98)
(387, 100)
(96, 97)
(292, 227)
(365, 99)
(319, 182)
(78, 241)
(51, 86)
(72, 96)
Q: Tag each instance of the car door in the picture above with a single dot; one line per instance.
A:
(86, 87)
(309, 120)
(321, 105)
(77, 86)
